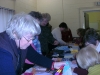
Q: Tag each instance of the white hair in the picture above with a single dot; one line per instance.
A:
(22, 24)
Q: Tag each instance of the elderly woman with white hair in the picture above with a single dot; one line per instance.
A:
(21, 30)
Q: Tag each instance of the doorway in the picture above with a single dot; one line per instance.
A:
(86, 19)
(89, 17)
(92, 19)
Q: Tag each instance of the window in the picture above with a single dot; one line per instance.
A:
(5, 16)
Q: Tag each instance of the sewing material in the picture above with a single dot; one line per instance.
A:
(59, 70)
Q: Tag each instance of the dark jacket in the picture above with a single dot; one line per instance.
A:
(45, 37)
(10, 55)
(9, 51)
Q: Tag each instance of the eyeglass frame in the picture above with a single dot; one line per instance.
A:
(28, 40)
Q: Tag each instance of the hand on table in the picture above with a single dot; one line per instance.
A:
(57, 65)
(55, 42)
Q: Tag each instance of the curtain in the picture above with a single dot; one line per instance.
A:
(5, 16)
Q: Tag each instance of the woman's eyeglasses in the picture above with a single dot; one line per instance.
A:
(28, 40)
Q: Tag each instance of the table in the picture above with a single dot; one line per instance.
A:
(37, 70)
(68, 53)
(43, 71)
(65, 52)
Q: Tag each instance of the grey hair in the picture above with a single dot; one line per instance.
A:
(22, 24)
(88, 57)
(46, 16)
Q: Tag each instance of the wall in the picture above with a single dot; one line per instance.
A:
(25, 5)
(71, 11)
(60, 10)
(19, 5)
(7, 4)
(54, 8)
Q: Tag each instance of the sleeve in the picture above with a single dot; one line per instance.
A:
(6, 63)
(58, 36)
(80, 71)
(38, 59)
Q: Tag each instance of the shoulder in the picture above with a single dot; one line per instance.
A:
(4, 53)
(96, 68)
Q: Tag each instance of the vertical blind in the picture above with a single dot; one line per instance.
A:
(5, 16)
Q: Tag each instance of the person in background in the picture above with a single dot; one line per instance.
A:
(66, 34)
(88, 58)
(92, 38)
(19, 34)
(57, 33)
(79, 40)
(46, 37)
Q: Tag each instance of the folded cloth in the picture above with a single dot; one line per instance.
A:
(62, 48)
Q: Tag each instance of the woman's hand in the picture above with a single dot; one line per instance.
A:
(57, 65)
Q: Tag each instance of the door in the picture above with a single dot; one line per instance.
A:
(86, 19)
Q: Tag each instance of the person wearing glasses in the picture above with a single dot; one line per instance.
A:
(21, 31)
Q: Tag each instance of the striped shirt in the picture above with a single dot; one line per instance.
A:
(95, 70)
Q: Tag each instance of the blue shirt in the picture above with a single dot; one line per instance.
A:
(37, 45)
